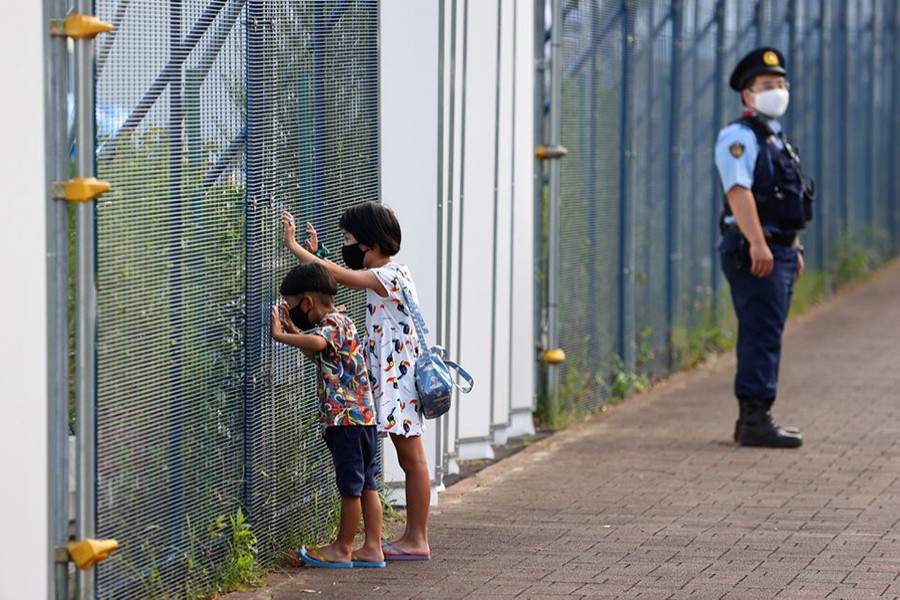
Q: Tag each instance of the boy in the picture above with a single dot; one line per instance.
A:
(345, 409)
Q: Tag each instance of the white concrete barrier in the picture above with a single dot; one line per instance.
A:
(25, 555)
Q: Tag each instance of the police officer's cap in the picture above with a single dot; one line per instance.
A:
(762, 60)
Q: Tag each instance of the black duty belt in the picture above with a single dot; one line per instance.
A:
(772, 237)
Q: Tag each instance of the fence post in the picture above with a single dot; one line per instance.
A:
(85, 304)
(592, 107)
(759, 22)
(319, 124)
(869, 134)
(57, 157)
(819, 135)
(892, 107)
(556, 75)
(626, 208)
(540, 68)
(673, 245)
(842, 46)
(176, 318)
(792, 58)
(258, 132)
(713, 173)
(884, 117)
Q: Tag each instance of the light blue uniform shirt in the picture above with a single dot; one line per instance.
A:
(736, 152)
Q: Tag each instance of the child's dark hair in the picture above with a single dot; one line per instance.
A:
(373, 224)
(309, 278)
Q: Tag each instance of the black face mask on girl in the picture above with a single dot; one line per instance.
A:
(300, 318)
(353, 256)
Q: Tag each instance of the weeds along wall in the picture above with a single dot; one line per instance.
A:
(644, 93)
(214, 116)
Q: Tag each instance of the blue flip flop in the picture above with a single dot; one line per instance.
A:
(365, 563)
(313, 557)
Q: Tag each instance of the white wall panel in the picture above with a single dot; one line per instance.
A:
(502, 299)
(521, 384)
(474, 318)
(409, 150)
(23, 308)
(472, 284)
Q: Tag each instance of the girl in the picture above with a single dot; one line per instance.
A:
(371, 240)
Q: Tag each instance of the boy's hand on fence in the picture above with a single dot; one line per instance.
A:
(312, 244)
(290, 230)
(276, 322)
(286, 319)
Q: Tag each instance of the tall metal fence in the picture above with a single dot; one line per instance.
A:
(213, 117)
(644, 92)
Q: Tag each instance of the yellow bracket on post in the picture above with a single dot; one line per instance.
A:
(78, 26)
(550, 151)
(86, 553)
(553, 357)
(80, 189)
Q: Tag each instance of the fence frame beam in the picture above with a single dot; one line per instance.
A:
(626, 208)
(673, 213)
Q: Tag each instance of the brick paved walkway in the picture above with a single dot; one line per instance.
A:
(652, 500)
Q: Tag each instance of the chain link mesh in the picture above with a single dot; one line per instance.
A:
(213, 117)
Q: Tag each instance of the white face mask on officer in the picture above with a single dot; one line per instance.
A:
(772, 103)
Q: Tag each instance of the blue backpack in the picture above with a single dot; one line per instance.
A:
(434, 381)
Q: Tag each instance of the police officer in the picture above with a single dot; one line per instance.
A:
(768, 202)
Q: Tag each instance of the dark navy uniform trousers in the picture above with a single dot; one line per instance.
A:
(761, 305)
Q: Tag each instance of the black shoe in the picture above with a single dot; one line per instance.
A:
(788, 430)
(758, 429)
(784, 430)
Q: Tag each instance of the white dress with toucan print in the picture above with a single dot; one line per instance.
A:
(391, 352)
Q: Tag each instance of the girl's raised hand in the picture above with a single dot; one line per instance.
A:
(290, 230)
(312, 244)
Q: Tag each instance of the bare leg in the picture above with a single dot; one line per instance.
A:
(339, 550)
(371, 510)
(411, 454)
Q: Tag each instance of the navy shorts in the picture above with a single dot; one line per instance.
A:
(354, 449)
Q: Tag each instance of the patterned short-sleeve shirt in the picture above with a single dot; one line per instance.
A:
(345, 396)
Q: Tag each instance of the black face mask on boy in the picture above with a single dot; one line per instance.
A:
(300, 318)
(353, 256)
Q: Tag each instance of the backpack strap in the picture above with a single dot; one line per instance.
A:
(422, 330)
(463, 374)
(418, 321)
